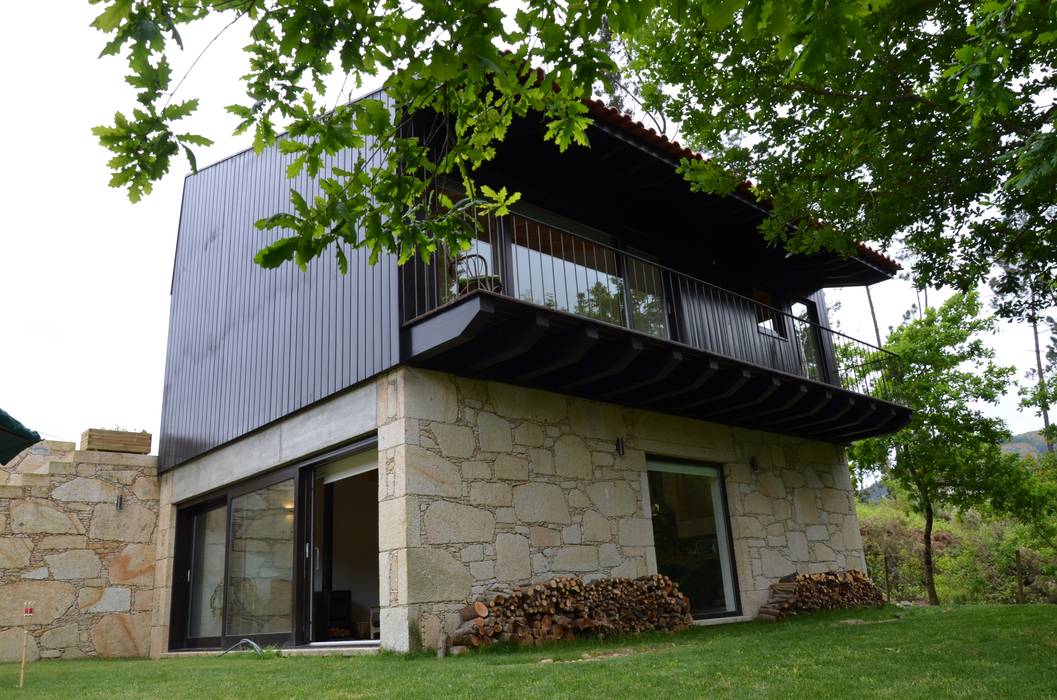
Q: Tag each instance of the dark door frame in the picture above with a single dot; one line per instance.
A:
(241, 489)
(303, 474)
(304, 608)
(826, 358)
(722, 478)
(183, 560)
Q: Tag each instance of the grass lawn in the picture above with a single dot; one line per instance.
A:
(979, 651)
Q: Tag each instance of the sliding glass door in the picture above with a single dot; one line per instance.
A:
(233, 574)
(247, 557)
(261, 562)
(205, 609)
(809, 340)
(561, 271)
(691, 534)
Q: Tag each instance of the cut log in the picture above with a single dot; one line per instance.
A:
(561, 607)
(468, 613)
(831, 590)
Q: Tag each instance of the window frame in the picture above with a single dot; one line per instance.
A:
(767, 304)
(827, 366)
(721, 477)
(183, 554)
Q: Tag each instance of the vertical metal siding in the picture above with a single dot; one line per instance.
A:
(248, 346)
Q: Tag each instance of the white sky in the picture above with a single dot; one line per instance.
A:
(84, 274)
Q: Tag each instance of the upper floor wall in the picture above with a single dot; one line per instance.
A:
(248, 346)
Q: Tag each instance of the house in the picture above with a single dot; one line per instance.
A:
(620, 377)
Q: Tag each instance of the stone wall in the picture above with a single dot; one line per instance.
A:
(87, 565)
(483, 483)
(164, 552)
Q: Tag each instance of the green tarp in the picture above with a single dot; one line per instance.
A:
(14, 437)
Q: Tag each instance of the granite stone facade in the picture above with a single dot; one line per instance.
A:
(87, 564)
(484, 485)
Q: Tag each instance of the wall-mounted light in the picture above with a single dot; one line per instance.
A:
(620, 446)
(754, 465)
(119, 502)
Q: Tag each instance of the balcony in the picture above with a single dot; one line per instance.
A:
(534, 304)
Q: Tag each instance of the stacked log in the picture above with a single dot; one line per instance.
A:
(565, 608)
(831, 590)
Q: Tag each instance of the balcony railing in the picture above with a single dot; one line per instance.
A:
(538, 263)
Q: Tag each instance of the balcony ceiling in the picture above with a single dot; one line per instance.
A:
(624, 185)
(489, 336)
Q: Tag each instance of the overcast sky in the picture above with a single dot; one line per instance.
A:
(84, 274)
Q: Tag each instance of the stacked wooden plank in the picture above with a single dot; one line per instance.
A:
(101, 440)
(830, 590)
(567, 608)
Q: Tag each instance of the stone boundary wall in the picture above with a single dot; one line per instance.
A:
(88, 566)
(483, 483)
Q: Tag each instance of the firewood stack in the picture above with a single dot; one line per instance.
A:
(567, 608)
(831, 590)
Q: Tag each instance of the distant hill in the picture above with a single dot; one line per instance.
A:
(1030, 443)
(874, 493)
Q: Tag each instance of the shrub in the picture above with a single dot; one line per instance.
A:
(975, 556)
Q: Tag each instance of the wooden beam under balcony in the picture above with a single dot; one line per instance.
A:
(701, 375)
(609, 363)
(658, 375)
(567, 350)
(520, 341)
(490, 336)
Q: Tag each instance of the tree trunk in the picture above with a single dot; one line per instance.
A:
(930, 582)
(1042, 381)
(1020, 578)
(888, 578)
(873, 315)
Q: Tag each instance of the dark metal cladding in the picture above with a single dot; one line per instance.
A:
(248, 346)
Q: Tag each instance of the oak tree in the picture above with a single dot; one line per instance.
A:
(949, 453)
(928, 125)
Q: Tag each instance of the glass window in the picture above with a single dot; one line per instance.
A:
(565, 272)
(807, 339)
(475, 268)
(690, 534)
(208, 543)
(261, 566)
(647, 298)
(768, 320)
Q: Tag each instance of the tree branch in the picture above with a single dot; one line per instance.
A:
(202, 53)
(861, 97)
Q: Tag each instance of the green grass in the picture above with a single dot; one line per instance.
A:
(979, 652)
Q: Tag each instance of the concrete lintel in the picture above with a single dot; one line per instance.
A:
(328, 423)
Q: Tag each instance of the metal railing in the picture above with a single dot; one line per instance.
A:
(538, 263)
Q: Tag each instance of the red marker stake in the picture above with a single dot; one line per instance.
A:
(27, 612)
